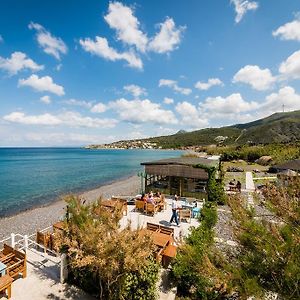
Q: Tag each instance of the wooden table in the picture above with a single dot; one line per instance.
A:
(159, 239)
(5, 284)
(59, 225)
(109, 203)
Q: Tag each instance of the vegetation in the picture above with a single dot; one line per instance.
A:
(277, 128)
(105, 260)
(270, 252)
(278, 153)
(266, 260)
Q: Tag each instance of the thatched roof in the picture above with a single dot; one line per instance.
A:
(289, 165)
(185, 161)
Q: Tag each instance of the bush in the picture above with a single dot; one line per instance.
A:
(105, 260)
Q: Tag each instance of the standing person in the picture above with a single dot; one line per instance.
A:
(174, 210)
(239, 186)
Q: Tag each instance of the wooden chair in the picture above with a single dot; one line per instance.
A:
(140, 205)
(43, 239)
(151, 209)
(168, 254)
(122, 205)
(185, 214)
(152, 227)
(5, 284)
(166, 230)
(16, 264)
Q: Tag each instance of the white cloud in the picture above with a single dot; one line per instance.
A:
(286, 96)
(121, 18)
(99, 108)
(173, 85)
(46, 99)
(49, 43)
(69, 118)
(81, 103)
(207, 85)
(259, 79)
(291, 67)
(190, 115)
(232, 104)
(288, 31)
(17, 62)
(168, 38)
(168, 100)
(43, 119)
(142, 111)
(242, 7)
(42, 84)
(101, 48)
(135, 90)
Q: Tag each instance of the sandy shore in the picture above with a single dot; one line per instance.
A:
(30, 221)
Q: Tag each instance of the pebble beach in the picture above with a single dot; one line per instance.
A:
(28, 222)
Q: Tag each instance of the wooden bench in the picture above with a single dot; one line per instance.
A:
(5, 284)
(16, 264)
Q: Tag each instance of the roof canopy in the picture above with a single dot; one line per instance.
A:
(186, 167)
(185, 161)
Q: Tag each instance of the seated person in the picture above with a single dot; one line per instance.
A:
(151, 200)
(144, 198)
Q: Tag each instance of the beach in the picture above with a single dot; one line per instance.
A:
(28, 222)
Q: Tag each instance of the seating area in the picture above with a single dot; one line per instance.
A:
(115, 204)
(150, 204)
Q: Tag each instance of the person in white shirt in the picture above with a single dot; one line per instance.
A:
(174, 210)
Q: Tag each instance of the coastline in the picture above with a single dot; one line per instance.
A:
(29, 221)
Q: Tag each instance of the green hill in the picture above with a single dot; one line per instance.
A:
(277, 128)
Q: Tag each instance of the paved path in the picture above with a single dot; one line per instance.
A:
(249, 182)
(250, 187)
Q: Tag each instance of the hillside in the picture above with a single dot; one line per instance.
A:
(277, 128)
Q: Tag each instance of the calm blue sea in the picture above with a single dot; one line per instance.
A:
(34, 176)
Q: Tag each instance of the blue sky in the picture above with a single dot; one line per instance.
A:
(80, 72)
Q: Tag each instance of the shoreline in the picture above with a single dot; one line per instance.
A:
(37, 218)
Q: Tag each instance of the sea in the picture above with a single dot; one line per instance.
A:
(31, 177)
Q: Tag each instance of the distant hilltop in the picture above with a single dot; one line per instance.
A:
(277, 128)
